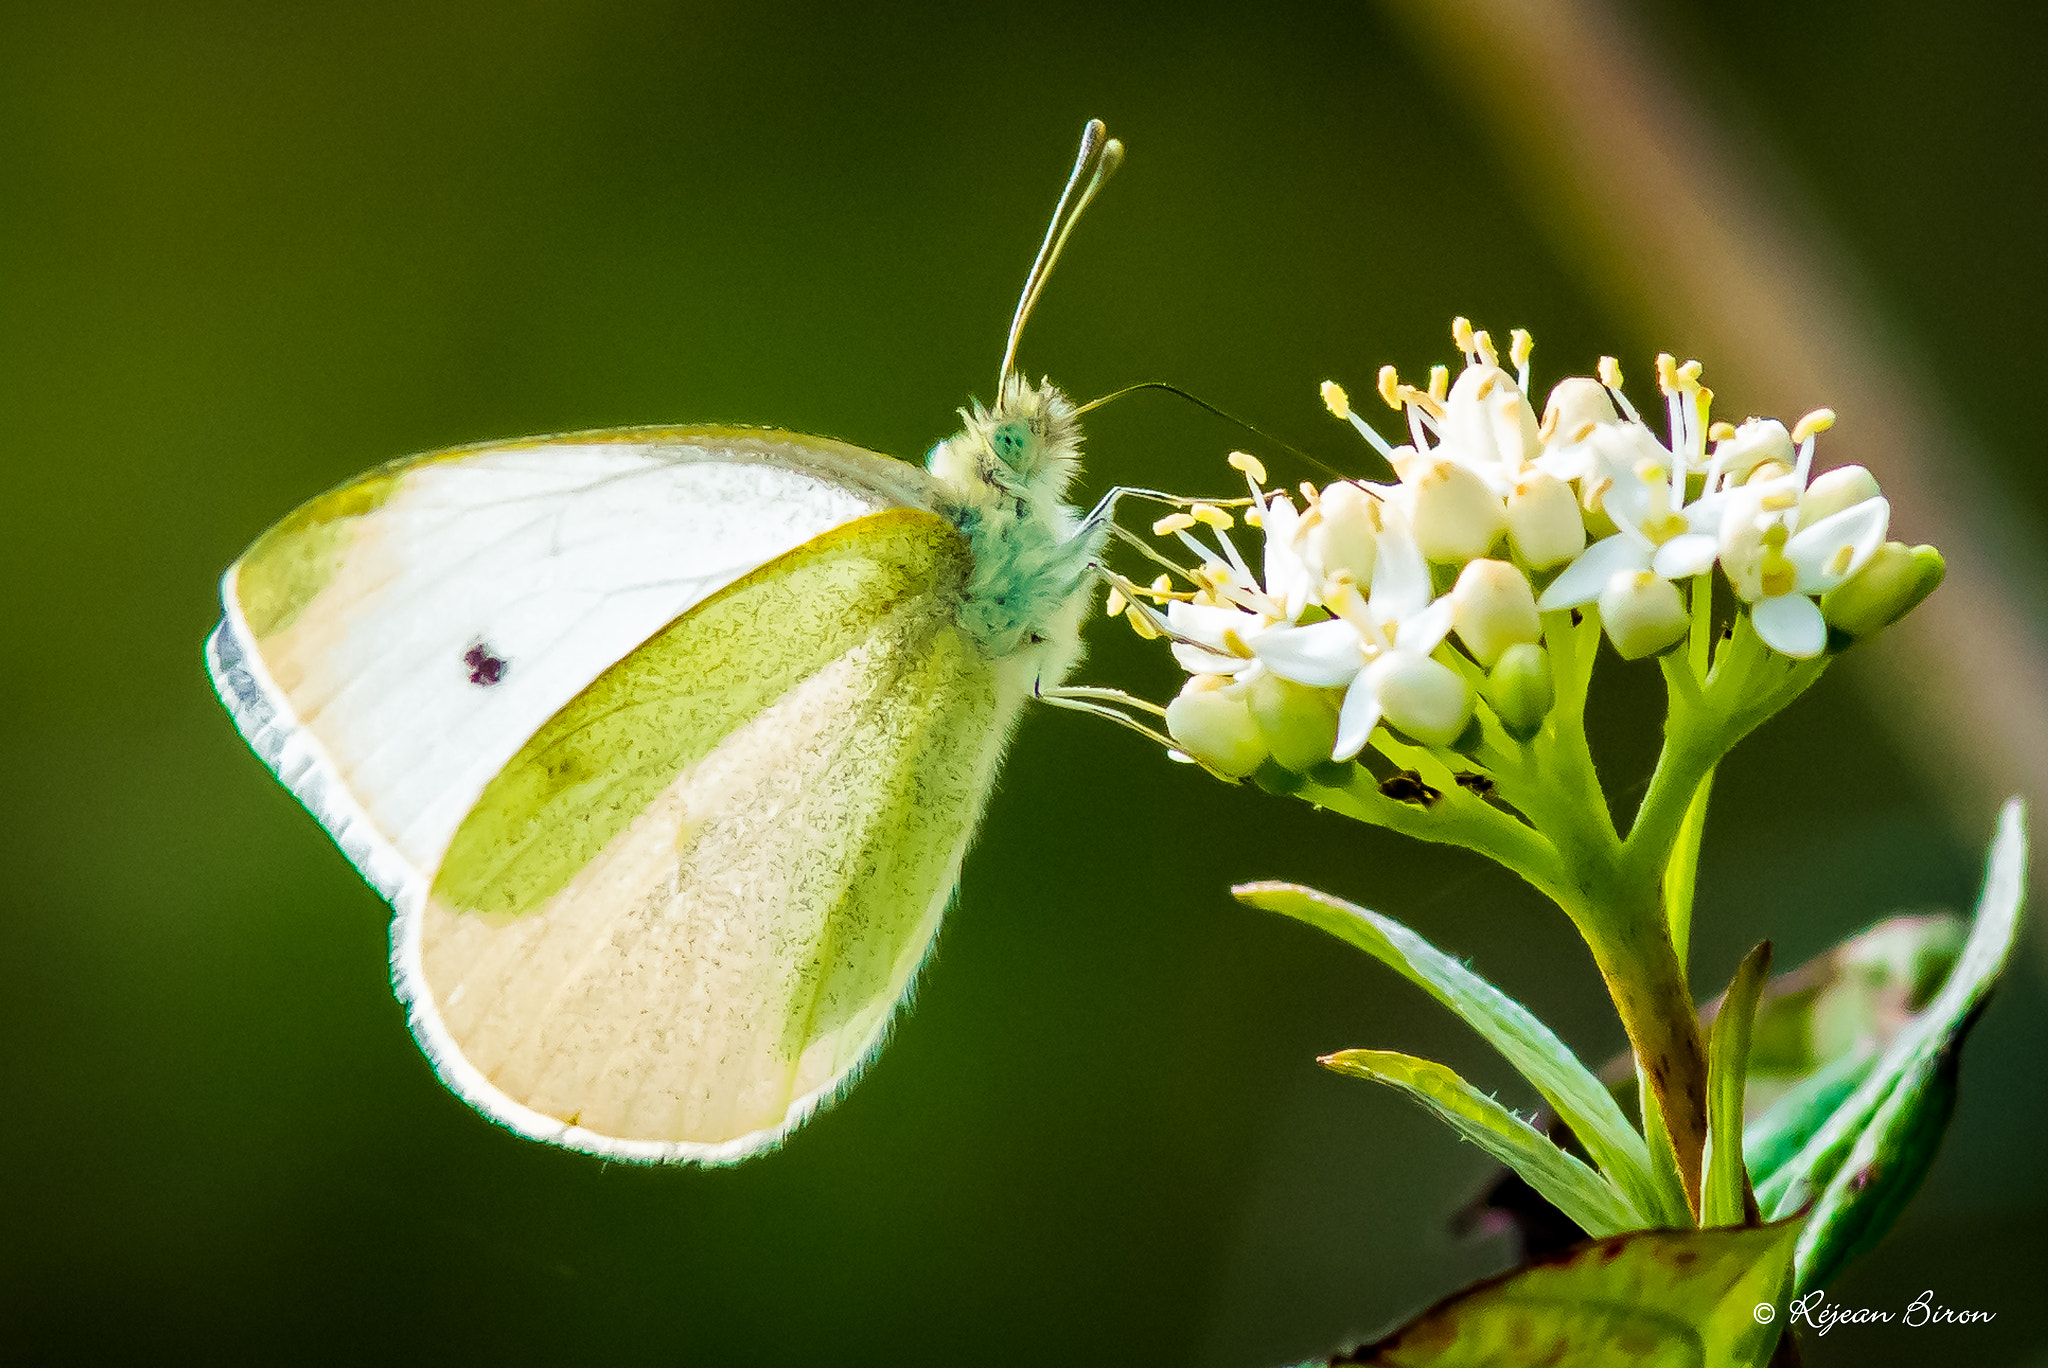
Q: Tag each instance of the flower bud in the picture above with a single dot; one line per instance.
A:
(1545, 527)
(1216, 727)
(1346, 538)
(1456, 517)
(1488, 422)
(1577, 405)
(1299, 723)
(1521, 689)
(1493, 608)
(1756, 441)
(1834, 490)
(1643, 614)
(1428, 700)
(1889, 586)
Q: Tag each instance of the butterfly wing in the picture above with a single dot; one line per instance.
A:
(665, 747)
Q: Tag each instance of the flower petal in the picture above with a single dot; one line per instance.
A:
(1688, 554)
(1321, 654)
(1837, 546)
(1400, 576)
(1585, 577)
(1426, 630)
(1790, 624)
(1356, 719)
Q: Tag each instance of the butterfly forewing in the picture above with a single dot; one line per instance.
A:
(639, 707)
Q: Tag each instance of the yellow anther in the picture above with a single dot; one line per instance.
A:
(1592, 491)
(1251, 465)
(1838, 564)
(1820, 420)
(1520, 344)
(1778, 575)
(1390, 387)
(1706, 398)
(1335, 400)
(1209, 515)
(1690, 372)
(1252, 518)
(1141, 624)
(1767, 470)
(1171, 523)
(1309, 495)
(1461, 334)
(1610, 372)
(1235, 643)
(1205, 683)
(1647, 470)
(1163, 586)
(1779, 501)
(1664, 527)
(1721, 432)
(1115, 604)
(1423, 400)
(1439, 383)
(1485, 346)
(1667, 372)
(1774, 538)
(1485, 386)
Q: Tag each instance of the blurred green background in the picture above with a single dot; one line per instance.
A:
(247, 250)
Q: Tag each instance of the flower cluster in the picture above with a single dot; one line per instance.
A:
(1423, 605)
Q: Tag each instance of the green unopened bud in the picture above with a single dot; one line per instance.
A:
(1834, 490)
(1216, 727)
(1456, 516)
(1299, 723)
(1346, 537)
(1428, 700)
(1521, 690)
(1545, 527)
(1577, 405)
(1492, 608)
(1643, 614)
(1889, 586)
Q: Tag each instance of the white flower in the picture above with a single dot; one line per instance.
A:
(1778, 566)
(1641, 485)
(1378, 650)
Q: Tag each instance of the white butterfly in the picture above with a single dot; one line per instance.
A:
(665, 744)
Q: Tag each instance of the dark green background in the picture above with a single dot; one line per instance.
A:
(247, 250)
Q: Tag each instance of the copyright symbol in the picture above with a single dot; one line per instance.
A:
(1765, 1313)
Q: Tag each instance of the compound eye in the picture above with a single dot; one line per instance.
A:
(1010, 440)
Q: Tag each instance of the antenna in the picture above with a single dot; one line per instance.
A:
(1100, 155)
(1199, 402)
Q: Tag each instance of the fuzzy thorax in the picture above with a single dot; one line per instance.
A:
(1002, 477)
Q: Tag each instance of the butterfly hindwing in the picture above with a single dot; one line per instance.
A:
(683, 915)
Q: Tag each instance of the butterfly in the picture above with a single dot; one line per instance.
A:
(666, 744)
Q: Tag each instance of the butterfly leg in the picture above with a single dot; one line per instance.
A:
(1088, 700)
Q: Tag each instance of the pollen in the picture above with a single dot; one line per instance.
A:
(1250, 465)
(1209, 515)
(1172, 523)
(1335, 400)
(1820, 420)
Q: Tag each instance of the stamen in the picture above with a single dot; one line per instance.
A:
(1461, 337)
(1172, 522)
(1520, 344)
(1610, 372)
(1115, 604)
(1335, 400)
(1667, 372)
(1250, 464)
(1820, 420)
(1209, 515)
(1391, 387)
(1485, 346)
(1439, 383)
(1722, 432)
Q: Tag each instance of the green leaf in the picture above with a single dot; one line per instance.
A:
(1652, 1299)
(1578, 1098)
(1868, 1158)
(1773, 1138)
(1726, 1196)
(1572, 1187)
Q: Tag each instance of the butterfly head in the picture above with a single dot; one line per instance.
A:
(1028, 446)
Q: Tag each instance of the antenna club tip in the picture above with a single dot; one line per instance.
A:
(1336, 400)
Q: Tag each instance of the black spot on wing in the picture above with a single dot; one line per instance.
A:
(486, 667)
